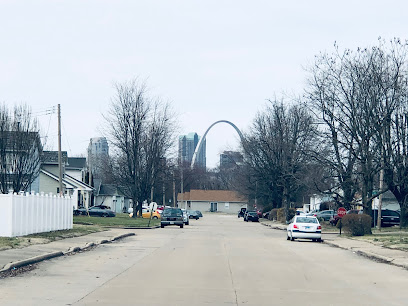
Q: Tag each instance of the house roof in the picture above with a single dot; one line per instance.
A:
(212, 195)
(76, 162)
(19, 140)
(109, 189)
(68, 181)
(51, 157)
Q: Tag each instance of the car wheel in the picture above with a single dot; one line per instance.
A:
(314, 240)
(161, 225)
(155, 217)
(319, 240)
(104, 215)
(181, 226)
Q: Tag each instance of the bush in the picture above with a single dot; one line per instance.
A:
(280, 216)
(273, 214)
(356, 225)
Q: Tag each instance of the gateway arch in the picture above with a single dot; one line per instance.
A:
(197, 149)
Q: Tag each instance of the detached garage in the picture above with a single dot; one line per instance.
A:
(212, 200)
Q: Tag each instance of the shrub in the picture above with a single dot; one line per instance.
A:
(273, 214)
(280, 216)
(356, 225)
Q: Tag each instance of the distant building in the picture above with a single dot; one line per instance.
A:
(187, 146)
(98, 152)
(230, 159)
(98, 146)
(226, 201)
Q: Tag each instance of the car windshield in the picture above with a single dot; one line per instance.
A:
(306, 220)
(252, 213)
(172, 212)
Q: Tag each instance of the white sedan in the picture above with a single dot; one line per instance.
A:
(304, 227)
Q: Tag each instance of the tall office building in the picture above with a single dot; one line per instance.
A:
(230, 159)
(98, 152)
(187, 146)
(98, 146)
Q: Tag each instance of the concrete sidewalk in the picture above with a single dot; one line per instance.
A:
(376, 252)
(18, 257)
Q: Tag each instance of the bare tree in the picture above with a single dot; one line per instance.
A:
(353, 95)
(277, 150)
(141, 129)
(20, 149)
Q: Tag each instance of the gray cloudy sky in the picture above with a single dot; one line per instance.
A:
(212, 59)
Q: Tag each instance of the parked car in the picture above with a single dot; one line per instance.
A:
(300, 212)
(312, 212)
(241, 213)
(266, 214)
(252, 216)
(172, 216)
(192, 214)
(325, 214)
(246, 214)
(96, 211)
(304, 227)
(186, 219)
(388, 217)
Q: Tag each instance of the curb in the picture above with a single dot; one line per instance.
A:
(36, 259)
(30, 261)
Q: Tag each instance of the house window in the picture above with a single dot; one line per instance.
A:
(57, 190)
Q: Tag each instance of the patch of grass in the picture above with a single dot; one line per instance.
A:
(9, 243)
(121, 220)
(390, 237)
(77, 230)
(19, 242)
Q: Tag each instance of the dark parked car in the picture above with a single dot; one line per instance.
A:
(172, 216)
(193, 214)
(247, 212)
(388, 217)
(96, 211)
(252, 216)
(325, 214)
(241, 213)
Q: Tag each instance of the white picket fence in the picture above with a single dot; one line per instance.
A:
(24, 214)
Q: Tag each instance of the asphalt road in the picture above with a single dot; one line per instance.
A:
(217, 260)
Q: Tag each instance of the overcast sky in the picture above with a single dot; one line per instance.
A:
(213, 60)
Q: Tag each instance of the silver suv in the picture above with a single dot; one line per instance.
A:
(172, 216)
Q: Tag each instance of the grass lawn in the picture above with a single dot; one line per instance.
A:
(121, 220)
(390, 237)
(19, 242)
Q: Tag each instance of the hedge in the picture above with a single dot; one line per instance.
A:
(356, 225)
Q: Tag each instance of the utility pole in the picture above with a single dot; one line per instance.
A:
(182, 186)
(174, 190)
(380, 199)
(61, 191)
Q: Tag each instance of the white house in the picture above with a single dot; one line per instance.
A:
(110, 195)
(48, 179)
(212, 200)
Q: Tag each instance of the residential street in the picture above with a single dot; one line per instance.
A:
(217, 260)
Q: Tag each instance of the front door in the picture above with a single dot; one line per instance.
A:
(214, 207)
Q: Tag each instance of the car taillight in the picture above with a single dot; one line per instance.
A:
(319, 227)
(295, 226)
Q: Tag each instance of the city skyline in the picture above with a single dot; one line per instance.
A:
(73, 52)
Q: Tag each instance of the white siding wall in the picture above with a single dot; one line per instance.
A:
(221, 207)
(33, 213)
